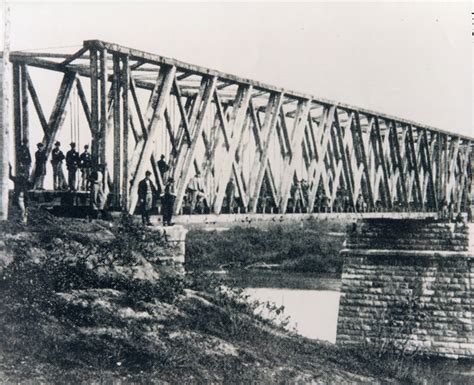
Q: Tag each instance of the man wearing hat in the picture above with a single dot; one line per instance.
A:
(146, 192)
(168, 199)
(40, 167)
(196, 190)
(72, 163)
(57, 158)
(163, 166)
(85, 165)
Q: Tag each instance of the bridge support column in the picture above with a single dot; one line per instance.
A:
(408, 283)
(171, 255)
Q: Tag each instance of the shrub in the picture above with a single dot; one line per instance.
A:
(235, 314)
(388, 343)
(278, 244)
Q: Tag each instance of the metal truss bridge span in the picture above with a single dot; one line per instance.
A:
(257, 148)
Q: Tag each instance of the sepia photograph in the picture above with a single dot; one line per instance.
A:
(236, 192)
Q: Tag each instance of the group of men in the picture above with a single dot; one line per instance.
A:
(93, 181)
(147, 194)
(74, 162)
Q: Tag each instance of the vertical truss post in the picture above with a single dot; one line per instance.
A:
(444, 144)
(429, 168)
(24, 103)
(414, 162)
(464, 177)
(17, 112)
(94, 104)
(116, 85)
(438, 165)
(103, 106)
(381, 157)
(451, 169)
(125, 120)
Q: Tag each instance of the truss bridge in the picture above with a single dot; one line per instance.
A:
(256, 148)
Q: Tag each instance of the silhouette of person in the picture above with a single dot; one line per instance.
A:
(57, 158)
(168, 199)
(72, 163)
(40, 167)
(146, 193)
(85, 164)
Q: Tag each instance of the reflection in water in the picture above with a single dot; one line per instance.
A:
(313, 313)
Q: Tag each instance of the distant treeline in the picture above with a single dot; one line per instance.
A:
(310, 246)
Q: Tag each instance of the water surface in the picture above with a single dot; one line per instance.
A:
(313, 313)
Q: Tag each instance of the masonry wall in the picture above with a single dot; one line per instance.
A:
(408, 282)
(172, 258)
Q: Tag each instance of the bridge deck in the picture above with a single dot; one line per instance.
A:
(249, 219)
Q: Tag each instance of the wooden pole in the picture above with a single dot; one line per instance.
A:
(103, 106)
(17, 112)
(94, 106)
(117, 134)
(126, 116)
(4, 118)
(25, 131)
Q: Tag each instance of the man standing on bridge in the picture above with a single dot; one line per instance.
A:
(196, 190)
(168, 202)
(72, 163)
(40, 167)
(57, 158)
(146, 193)
(85, 164)
(230, 195)
(163, 167)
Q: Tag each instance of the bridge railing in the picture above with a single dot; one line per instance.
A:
(256, 147)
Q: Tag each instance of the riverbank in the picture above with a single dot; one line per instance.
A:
(82, 304)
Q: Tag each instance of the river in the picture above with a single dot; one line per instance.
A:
(312, 304)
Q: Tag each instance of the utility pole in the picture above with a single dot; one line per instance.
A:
(4, 111)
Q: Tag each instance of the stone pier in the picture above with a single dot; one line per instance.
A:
(173, 255)
(408, 282)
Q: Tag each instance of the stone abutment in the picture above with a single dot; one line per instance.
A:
(408, 283)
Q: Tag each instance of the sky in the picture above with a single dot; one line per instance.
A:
(409, 59)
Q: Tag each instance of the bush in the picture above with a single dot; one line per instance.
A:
(71, 262)
(388, 343)
(296, 248)
(234, 313)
